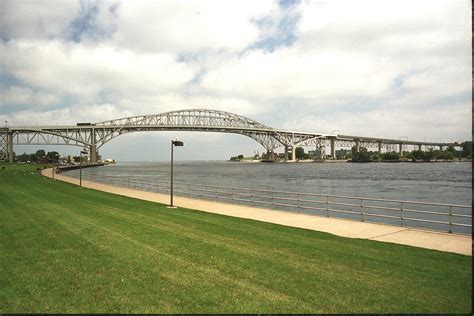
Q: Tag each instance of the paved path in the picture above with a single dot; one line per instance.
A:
(346, 228)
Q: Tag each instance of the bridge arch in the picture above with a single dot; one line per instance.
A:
(195, 117)
(202, 120)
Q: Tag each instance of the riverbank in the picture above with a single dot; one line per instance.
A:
(74, 167)
(345, 161)
(65, 249)
(341, 227)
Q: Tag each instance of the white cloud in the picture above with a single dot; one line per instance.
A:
(17, 95)
(36, 19)
(179, 26)
(294, 72)
(66, 116)
(86, 71)
(423, 123)
(348, 49)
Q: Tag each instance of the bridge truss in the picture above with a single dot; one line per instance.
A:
(95, 135)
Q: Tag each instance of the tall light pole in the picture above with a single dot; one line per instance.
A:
(83, 152)
(173, 143)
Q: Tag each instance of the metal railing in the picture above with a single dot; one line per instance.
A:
(442, 217)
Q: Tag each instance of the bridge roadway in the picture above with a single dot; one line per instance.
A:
(95, 135)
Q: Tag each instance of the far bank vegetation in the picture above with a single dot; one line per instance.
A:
(364, 155)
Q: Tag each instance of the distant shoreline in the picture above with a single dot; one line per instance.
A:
(348, 161)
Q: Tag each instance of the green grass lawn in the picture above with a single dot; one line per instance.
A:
(64, 249)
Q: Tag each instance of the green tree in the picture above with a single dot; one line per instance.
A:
(53, 155)
(448, 155)
(23, 157)
(391, 156)
(375, 156)
(299, 153)
(417, 155)
(40, 153)
(466, 149)
(362, 156)
(453, 150)
(33, 158)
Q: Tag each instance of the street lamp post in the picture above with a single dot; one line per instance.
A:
(83, 152)
(173, 143)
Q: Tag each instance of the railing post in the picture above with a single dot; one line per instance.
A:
(401, 214)
(450, 220)
(299, 202)
(361, 211)
(327, 206)
(273, 200)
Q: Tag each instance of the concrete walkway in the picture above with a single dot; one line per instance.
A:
(346, 228)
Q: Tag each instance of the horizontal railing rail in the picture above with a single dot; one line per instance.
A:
(441, 216)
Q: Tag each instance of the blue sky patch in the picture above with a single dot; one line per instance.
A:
(83, 25)
(285, 28)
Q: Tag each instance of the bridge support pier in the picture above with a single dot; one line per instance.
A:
(333, 149)
(400, 149)
(286, 153)
(441, 147)
(379, 145)
(270, 154)
(93, 154)
(419, 147)
(10, 147)
(93, 148)
(357, 145)
(293, 152)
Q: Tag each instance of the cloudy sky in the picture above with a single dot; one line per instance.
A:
(382, 68)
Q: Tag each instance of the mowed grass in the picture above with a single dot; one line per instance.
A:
(69, 250)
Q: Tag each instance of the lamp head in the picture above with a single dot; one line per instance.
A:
(177, 142)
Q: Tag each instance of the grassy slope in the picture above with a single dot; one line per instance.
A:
(65, 249)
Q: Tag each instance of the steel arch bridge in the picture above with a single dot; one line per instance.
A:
(95, 135)
(201, 120)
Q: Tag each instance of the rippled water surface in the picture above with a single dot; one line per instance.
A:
(428, 182)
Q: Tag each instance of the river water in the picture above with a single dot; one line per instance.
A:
(448, 183)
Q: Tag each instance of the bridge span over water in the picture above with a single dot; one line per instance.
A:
(95, 135)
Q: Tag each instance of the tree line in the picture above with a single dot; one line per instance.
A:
(42, 156)
(449, 153)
